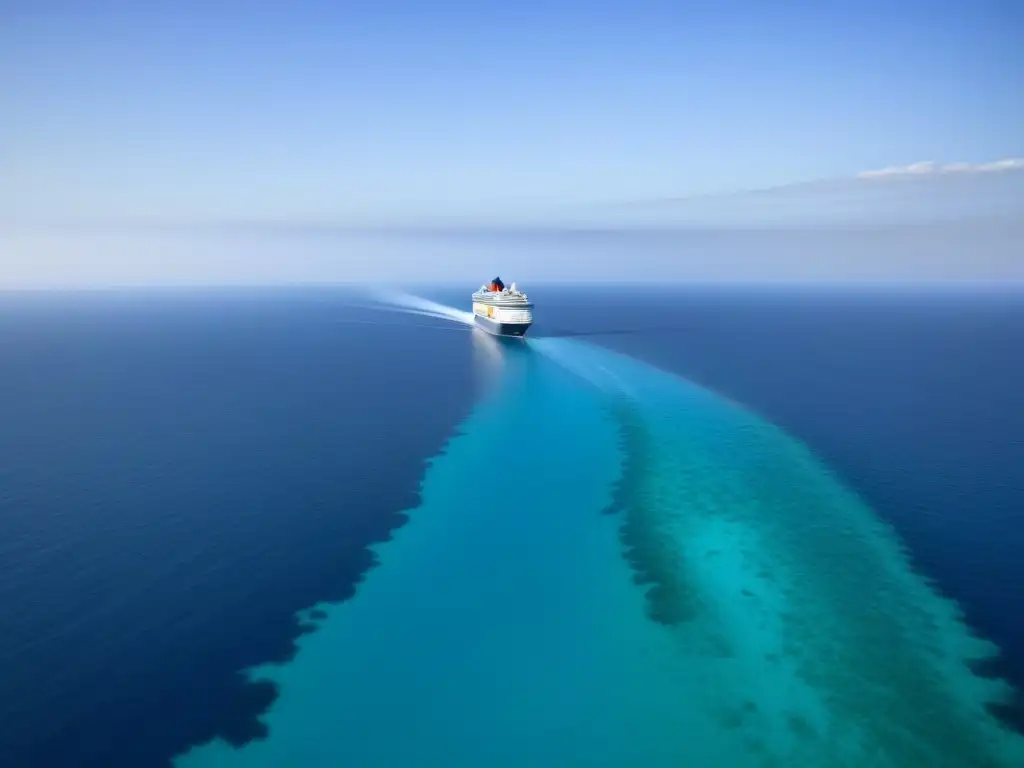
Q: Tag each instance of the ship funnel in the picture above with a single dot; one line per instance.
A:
(513, 287)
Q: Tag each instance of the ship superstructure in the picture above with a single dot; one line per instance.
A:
(502, 311)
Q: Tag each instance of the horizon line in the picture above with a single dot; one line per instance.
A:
(1012, 284)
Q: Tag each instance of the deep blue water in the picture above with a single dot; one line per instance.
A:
(180, 473)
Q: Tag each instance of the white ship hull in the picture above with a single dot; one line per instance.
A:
(501, 316)
(501, 329)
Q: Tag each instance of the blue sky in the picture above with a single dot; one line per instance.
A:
(638, 115)
(401, 111)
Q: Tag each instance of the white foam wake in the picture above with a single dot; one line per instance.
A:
(398, 301)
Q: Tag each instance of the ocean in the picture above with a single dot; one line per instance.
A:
(701, 525)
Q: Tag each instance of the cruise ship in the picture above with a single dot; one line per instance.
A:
(502, 311)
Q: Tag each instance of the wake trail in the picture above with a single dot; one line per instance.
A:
(457, 328)
(398, 301)
(406, 303)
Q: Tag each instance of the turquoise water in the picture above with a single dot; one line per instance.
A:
(738, 606)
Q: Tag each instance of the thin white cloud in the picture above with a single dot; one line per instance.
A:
(931, 168)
